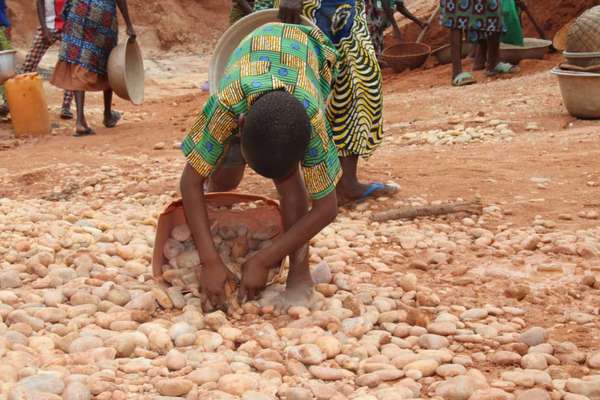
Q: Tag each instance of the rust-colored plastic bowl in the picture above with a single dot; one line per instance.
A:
(126, 71)
(254, 218)
(407, 55)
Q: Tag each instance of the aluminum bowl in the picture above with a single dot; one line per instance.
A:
(126, 71)
(532, 49)
(580, 92)
(232, 38)
(582, 59)
(8, 65)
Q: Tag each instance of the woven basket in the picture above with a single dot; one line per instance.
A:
(403, 56)
(584, 34)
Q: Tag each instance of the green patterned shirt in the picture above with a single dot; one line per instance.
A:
(294, 58)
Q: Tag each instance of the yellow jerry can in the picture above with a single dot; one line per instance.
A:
(27, 105)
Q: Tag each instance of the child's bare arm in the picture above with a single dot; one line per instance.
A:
(300, 228)
(214, 272)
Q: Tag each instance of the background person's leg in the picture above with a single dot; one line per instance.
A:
(493, 51)
(480, 56)
(110, 117)
(349, 186)
(456, 51)
(65, 110)
(82, 128)
(35, 54)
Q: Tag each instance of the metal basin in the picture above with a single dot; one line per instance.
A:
(582, 59)
(580, 92)
(232, 38)
(126, 71)
(7, 65)
(532, 49)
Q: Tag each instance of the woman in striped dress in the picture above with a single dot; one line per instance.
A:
(355, 106)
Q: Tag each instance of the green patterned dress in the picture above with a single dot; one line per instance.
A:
(355, 107)
(477, 18)
(294, 58)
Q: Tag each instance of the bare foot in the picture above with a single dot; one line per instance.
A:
(299, 294)
(110, 121)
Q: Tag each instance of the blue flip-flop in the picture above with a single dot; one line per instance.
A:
(373, 187)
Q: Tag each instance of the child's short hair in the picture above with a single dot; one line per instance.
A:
(275, 134)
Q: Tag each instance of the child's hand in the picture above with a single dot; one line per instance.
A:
(46, 36)
(212, 282)
(254, 279)
(131, 32)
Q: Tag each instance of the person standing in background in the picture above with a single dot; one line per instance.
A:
(355, 105)
(50, 31)
(513, 34)
(481, 23)
(89, 35)
(5, 29)
(380, 16)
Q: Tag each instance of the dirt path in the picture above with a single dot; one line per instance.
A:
(508, 142)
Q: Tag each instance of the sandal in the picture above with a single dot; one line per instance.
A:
(463, 79)
(503, 68)
(86, 132)
(115, 116)
(377, 189)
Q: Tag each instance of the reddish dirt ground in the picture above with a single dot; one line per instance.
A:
(546, 145)
(420, 100)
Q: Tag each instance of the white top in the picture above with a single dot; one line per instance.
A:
(50, 14)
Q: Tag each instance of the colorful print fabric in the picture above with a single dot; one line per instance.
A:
(294, 58)
(89, 34)
(478, 18)
(355, 107)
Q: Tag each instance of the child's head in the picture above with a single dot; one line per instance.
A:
(275, 134)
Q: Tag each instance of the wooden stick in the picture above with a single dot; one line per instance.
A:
(429, 22)
(473, 207)
(534, 22)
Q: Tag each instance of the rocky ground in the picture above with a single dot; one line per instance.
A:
(502, 305)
